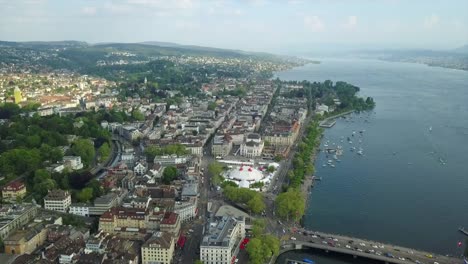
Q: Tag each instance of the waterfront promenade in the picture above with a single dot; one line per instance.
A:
(361, 248)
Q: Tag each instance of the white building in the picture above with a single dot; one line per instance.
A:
(187, 208)
(321, 109)
(79, 209)
(252, 146)
(57, 200)
(72, 162)
(139, 169)
(221, 240)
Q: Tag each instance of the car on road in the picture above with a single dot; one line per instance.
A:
(293, 238)
(378, 253)
(360, 250)
(348, 246)
(314, 236)
(375, 246)
(401, 258)
(362, 244)
(324, 242)
(336, 240)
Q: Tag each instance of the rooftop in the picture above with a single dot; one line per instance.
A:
(219, 232)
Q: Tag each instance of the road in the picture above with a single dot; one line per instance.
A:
(361, 247)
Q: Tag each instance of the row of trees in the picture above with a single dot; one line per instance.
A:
(177, 149)
(262, 246)
(252, 199)
(302, 162)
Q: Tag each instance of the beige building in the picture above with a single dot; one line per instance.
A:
(282, 135)
(13, 191)
(57, 200)
(25, 240)
(221, 240)
(14, 217)
(158, 249)
(222, 145)
(252, 146)
(118, 218)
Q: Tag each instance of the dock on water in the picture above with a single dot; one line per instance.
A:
(327, 123)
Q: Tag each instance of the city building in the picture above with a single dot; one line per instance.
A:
(221, 240)
(57, 200)
(25, 240)
(252, 146)
(186, 208)
(170, 223)
(158, 249)
(118, 218)
(13, 217)
(13, 191)
(72, 162)
(222, 145)
(81, 209)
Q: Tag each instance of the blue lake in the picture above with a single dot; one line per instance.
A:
(410, 186)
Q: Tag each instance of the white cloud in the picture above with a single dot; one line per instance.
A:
(165, 4)
(258, 3)
(89, 10)
(431, 21)
(351, 23)
(314, 23)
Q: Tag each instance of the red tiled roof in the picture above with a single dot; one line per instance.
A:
(170, 218)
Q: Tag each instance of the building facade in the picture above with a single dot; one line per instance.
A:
(252, 146)
(13, 191)
(158, 249)
(57, 200)
(221, 240)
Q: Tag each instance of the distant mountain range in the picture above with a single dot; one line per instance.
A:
(148, 47)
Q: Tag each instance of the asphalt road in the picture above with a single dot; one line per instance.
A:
(371, 248)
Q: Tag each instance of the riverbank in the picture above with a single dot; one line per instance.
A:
(309, 181)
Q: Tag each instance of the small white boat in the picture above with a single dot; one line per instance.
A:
(333, 166)
(360, 152)
(430, 128)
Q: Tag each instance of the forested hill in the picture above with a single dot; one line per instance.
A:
(81, 56)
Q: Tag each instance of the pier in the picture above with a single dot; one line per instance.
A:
(327, 123)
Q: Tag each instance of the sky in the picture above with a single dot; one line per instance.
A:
(254, 25)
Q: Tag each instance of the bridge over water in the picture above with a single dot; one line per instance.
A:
(360, 248)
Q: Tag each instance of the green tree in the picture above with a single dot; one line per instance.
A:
(256, 204)
(258, 227)
(271, 169)
(278, 158)
(169, 174)
(85, 195)
(85, 149)
(212, 105)
(256, 251)
(290, 204)
(215, 169)
(104, 151)
(137, 115)
(98, 190)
